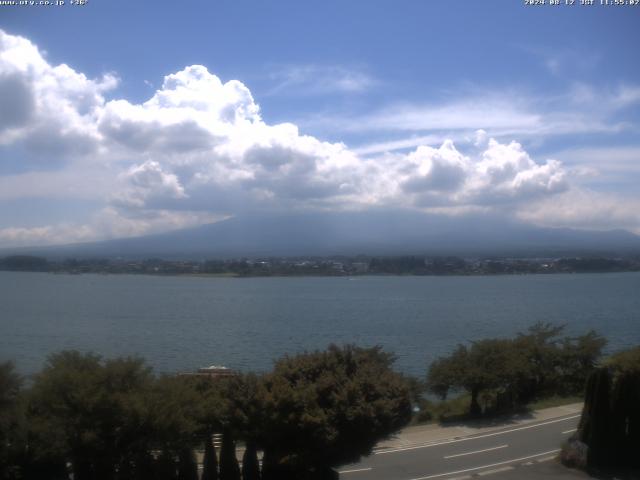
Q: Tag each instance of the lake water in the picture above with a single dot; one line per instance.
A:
(182, 323)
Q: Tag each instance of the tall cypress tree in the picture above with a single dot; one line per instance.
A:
(594, 427)
(187, 465)
(165, 467)
(210, 462)
(625, 408)
(269, 468)
(250, 465)
(229, 468)
(144, 467)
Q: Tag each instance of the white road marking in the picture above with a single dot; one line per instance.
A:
(495, 470)
(477, 451)
(570, 431)
(355, 470)
(486, 466)
(466, 439)
(546, 459)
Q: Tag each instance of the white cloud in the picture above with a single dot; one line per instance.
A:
(52, 109)
(148, 182)
(581, 109)
(490, 113)
(502, 174)
(106, 223)
(320, 79)
(587, 209)
(402, 144)
(199, 150)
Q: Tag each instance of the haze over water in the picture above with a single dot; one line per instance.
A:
(182, 323)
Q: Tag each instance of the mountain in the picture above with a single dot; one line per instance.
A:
(352, 233)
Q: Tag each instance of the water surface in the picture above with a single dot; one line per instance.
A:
(181, 323)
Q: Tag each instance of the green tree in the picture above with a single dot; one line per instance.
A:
(11, 436)
(625, 361)
(210, 462)
(625, 406)
(327, 408)
(187, 465)
(166, 468)
(594, 427)
(174, 409)
(229, 468)
(94, 410)
(536, 363)
(250, 465)
(579, 357)
(538, 357)
(485, 365)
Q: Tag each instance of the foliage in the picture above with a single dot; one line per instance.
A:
(174, 406)
(115, 420)
(625, 361)
(610, 422)
(533, 365)
(94, 411)
(10, 417)
(209, 462)
(229, 469)
(250, 464)
(330, 407)
(187, 466)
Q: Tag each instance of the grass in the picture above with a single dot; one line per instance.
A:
(457, 408)
(554, 401)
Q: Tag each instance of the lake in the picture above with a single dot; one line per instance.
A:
(182, 323)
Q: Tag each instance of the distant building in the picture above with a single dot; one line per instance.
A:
(213, 371)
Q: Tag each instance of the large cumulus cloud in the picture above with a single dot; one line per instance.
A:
(51, 110)
(199, 149)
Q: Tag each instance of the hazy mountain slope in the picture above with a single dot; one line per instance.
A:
(354, 233)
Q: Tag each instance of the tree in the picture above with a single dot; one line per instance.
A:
(250, 465)
(536, 363)
(327, 408)
(625, 406)
(10, 420)
(625, 361)
(539, 356)
(229, 468)
(187, 465)
(173, 407)
(165, 467)
(94, 410)
(209, 462)
(610, 422)
(594, 423)
(579, 357)
(487, 364)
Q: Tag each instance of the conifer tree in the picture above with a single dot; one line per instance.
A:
(210, 462)
(229, 468)
(250, 465)
(187, 465)
(594, 429)
(165, 467)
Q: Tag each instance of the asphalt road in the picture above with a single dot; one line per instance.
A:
(465, 456)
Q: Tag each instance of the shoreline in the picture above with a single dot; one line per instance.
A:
(306, 275)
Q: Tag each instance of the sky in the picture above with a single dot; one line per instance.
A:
(123, 118)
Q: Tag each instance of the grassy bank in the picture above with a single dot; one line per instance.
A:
(457, 409)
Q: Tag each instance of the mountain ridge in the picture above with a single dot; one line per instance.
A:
(353, 233)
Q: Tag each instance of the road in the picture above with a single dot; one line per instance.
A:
(495, 451)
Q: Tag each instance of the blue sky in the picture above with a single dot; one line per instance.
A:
(530, 112)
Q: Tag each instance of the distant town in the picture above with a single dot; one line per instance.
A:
(323, 266)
